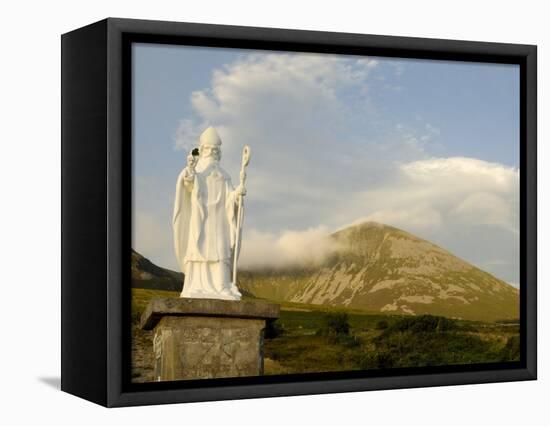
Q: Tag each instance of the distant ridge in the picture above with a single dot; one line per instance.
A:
(145, 274)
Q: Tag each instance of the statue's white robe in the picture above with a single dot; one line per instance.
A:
(204, 224)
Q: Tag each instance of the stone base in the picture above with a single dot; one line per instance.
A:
(207, 338)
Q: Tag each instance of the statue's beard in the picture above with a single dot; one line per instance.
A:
(209, 159)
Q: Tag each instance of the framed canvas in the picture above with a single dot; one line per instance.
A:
(389, 239)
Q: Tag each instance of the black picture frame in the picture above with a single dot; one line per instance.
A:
(96, 225)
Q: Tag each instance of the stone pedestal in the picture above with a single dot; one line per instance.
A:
(207, 338)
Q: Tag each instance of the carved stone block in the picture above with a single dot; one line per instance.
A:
(207, 338)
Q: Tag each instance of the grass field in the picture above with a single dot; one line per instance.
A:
(310, 338)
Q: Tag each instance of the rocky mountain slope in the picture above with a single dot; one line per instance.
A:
(384, 269)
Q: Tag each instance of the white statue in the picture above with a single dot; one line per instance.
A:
(207, 219)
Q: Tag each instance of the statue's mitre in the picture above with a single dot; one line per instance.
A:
(210, 137)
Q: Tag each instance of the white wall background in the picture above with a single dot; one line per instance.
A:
(30, 213)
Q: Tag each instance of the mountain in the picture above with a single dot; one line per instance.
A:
(146, 274)
(384, 269)
(376, 268)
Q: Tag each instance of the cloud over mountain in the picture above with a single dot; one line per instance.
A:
(310, 247)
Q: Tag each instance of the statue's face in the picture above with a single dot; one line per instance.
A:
(211, 151)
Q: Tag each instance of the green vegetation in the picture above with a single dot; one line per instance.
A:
(511, 349)
(382, 325)
(335, 324)
(273, 329)
(310, 338)
(421, 324)
(428, 340)
(141, 297)
(317, 341)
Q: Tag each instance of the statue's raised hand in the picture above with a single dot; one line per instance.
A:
(189, 172)
(191, 162)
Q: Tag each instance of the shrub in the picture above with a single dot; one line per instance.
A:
(421, 324)
(347, 340)
(425, 349)
(382, 325)
(335, 324)
(511, 351)
(273, 329)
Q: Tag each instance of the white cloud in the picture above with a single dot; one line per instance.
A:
(450, 192)
(288, 249)
(467, 190)
(486, 208)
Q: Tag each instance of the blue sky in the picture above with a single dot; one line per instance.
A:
(431, 147)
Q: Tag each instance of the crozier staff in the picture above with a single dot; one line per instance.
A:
(240, 210)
